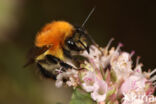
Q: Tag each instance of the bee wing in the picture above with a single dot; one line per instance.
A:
(33, 53)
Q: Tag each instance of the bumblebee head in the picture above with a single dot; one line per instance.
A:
(78, 41)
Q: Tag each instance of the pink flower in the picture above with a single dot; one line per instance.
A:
(72, 75)
(134, 82)
(122, 65)
(99, 93)
(107, 75)
(136, 101)
(138, 98)
(93, 56)
(89, 82)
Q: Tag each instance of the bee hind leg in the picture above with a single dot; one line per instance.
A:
(45, 72)
(65, 65)
(52, 59)
(56, 60)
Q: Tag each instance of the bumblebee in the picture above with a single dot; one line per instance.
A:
(57, 46)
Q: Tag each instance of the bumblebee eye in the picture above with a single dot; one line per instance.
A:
(72, 45)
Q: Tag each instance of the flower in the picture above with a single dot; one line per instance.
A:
(99, 93)
(59, 81)
(71, 75)
(122, 65)
(93, 56)
(89, 82)
(135, 101)
(109, 77)
(134, 82)
(153, 77)
(138, 98)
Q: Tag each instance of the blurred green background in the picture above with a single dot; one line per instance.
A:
(131, 22)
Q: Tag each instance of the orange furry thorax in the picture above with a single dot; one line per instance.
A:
(54, 34)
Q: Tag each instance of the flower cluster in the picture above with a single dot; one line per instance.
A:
(110, 77)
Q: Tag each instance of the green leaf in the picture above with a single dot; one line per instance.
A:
(80, 97)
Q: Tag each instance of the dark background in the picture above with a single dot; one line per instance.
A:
(131, 22)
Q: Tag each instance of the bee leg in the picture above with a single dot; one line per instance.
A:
(55, 60)
(46, 73)
(52, 59)
(65, 65)
(67, 53)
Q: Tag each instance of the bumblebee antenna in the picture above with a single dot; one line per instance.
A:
(91, 12)
(88, 35)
